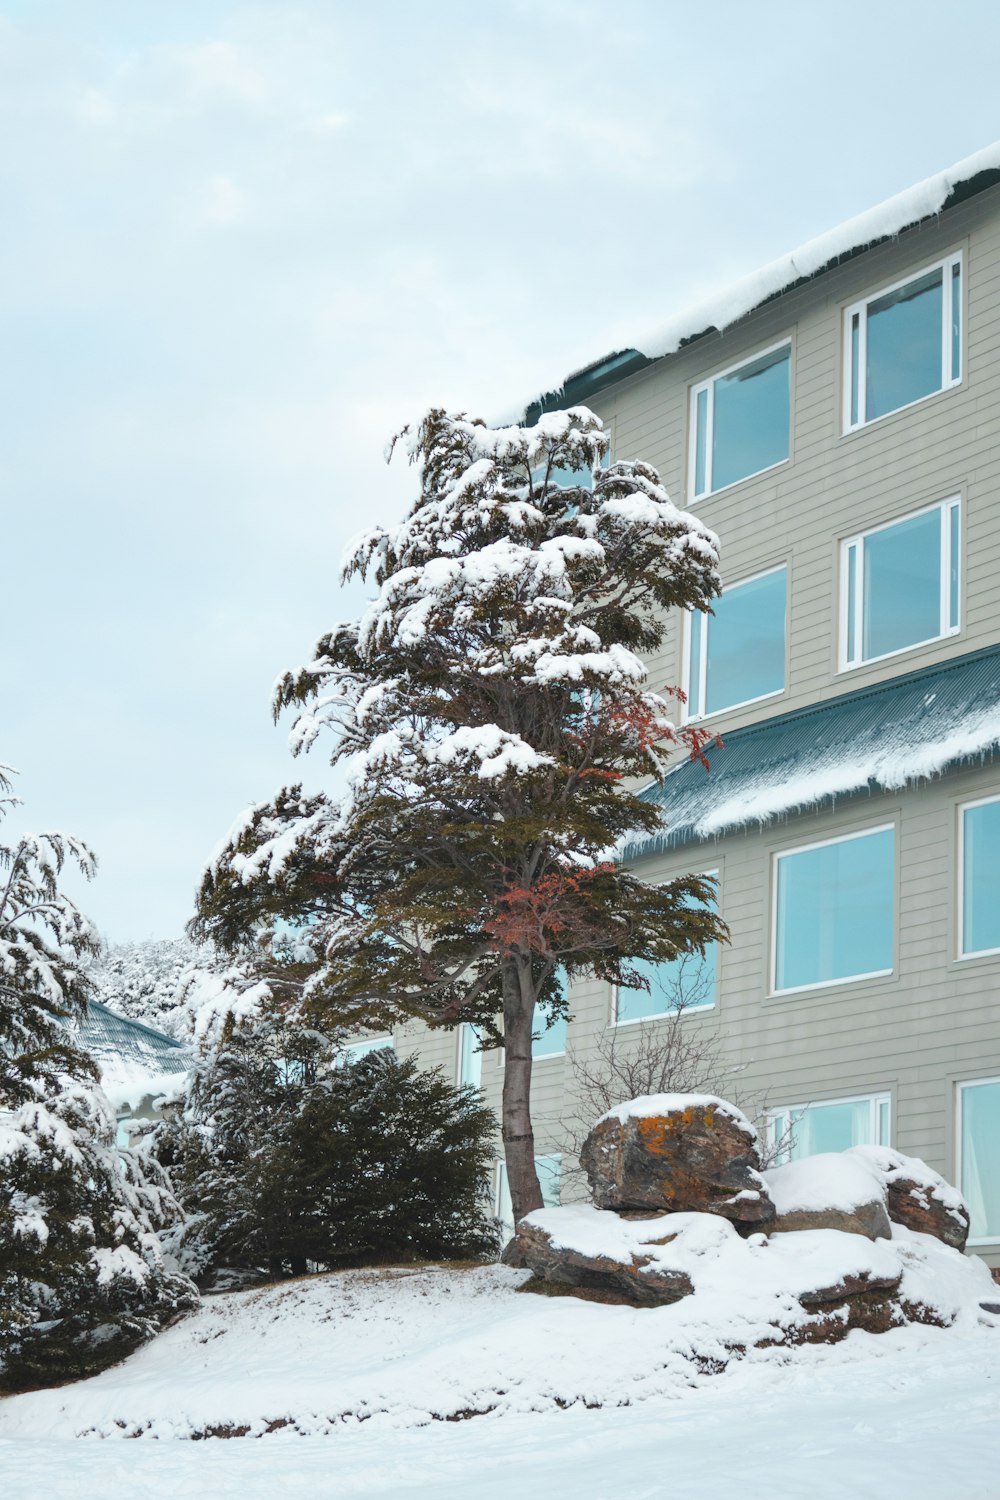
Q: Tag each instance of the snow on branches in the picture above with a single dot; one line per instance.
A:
(492, 711)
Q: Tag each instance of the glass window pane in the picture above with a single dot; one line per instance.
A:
(688, 981)
(883, 1122)
(831, 1127)
(852, 600)
(953, 570)
(981, 878)
(697, 641)
(470, 1059)
(904, 346)
(835, 911)
(548, 1040)
(746, 642)
(855, 359)
(956, 322)
(701, 439)
(750, 418)
(902, 585)
(549, 1169)
(981, 1158)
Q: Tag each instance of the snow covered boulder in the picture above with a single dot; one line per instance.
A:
(667, 1153)
(916, 1195)
(592, 1250)
(833, 1190)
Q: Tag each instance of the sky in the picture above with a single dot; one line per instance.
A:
(242, 244)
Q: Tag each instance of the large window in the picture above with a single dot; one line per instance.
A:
(352, 1051)
(979, 1156)
(833, 911)
(549, 1169)
(979, 864)
(737, 654)
(687, 983)
(800, 1130)
(904, 344)
(900, 584)
(740, 421)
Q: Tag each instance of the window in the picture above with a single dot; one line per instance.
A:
(900, 584)
(904, 344)
(740, 421)
(737, 654)
(549, 1169)
(979, 1156)
(354, 1050)
(470, 1058)
(546, 1040)
(686, 983)
(979, 877)
(835, 1125)
(833, 911)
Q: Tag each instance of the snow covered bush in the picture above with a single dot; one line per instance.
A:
(493, 713)
(82, 1277)
(289, 1159)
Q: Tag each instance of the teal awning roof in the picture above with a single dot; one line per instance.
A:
(105, 1034)
(881, 738)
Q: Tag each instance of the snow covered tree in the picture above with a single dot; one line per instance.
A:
(82, 1280)
(493, 714)
(145, 981)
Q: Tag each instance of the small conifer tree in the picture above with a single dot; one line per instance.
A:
(493, 714)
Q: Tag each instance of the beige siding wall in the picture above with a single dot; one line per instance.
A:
(837, 484)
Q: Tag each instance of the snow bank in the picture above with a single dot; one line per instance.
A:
(829, 1180)
(399, 1348)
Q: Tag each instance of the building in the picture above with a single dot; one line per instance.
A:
(142, 1070)
(834, 418)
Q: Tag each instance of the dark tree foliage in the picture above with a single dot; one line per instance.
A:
(493, 712)
(289, 1160)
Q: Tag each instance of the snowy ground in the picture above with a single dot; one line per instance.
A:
(911, 1414)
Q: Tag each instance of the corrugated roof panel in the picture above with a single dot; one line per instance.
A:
(105, 1033)
(880, 738)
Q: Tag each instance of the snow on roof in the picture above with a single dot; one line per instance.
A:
(136, 1062)
(729, 303)
(882, 738)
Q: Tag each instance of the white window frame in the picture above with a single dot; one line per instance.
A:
(962, 952)
(968, 1083)
(828, 984)
(859, 310)
(708, 386)
(856, 544)
(876, 1103)
(687, 716)
(689, 1010)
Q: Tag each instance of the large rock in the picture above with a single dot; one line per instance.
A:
(916, 1195)
(588, 1250)
(833, 1190)
(667, 1153)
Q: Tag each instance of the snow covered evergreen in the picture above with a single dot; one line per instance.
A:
(82, 1277)
(493, 712)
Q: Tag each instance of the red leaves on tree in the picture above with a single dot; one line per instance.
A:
(533, 918)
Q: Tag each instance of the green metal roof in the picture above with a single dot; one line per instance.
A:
(104, 1033)
(880, 738)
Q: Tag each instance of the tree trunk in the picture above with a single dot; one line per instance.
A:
(518, 1136)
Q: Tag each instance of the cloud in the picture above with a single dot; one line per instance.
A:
(225, 202)
(222, 71)
(97, 108)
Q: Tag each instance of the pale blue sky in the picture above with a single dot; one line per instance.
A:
(242, 243)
